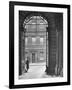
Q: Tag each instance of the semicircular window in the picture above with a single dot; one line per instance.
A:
(35, 24)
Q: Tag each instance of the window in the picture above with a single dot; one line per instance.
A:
(35, 23)
(33, 40)
(41, 58)
(41, 40)
(41, 55)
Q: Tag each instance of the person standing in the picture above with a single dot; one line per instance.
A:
(27, 64)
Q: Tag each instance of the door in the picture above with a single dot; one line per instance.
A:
(33, 57)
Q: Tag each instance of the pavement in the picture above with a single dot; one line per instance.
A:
(36, 70)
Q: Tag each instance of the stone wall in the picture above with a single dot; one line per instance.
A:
(55, 44)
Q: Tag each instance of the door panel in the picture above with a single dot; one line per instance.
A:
(33, 57)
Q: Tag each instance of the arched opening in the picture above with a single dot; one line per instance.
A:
(44, 31)
(35, 43)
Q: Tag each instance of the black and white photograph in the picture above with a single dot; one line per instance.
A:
(40, 44)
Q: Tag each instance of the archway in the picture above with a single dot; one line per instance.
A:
(35, 41)
(54, 26)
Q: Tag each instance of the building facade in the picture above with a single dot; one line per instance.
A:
(35, 39)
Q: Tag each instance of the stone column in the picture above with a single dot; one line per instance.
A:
(20, 49)
(46, 49)
(23, 53)
(57, 55)
(52, 50)
(60, 53)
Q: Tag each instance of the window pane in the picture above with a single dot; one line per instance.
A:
(41, 40)
(33, 40)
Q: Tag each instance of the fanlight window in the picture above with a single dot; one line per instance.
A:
(35, 22)
(33, 18)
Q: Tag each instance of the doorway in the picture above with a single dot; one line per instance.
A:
(33, 57)
(35, 41)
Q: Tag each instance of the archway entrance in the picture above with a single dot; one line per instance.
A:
(41, 40)
(35, 41)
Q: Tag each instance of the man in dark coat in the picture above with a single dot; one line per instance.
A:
(27, 64)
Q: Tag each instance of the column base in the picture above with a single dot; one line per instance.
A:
(50, 70)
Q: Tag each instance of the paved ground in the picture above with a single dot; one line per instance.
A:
(36, 70)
